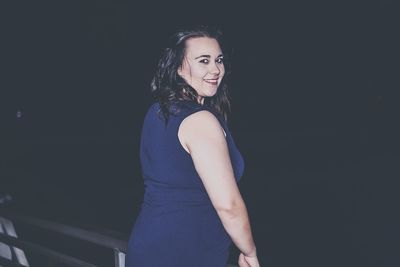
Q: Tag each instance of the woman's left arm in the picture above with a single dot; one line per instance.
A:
(202, 135)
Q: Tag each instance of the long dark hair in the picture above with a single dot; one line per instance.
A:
(168, 87)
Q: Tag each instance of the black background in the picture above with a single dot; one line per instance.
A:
(315, 115)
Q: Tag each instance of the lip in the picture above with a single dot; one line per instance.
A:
(212, 81)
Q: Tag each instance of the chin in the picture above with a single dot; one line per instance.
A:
(211, 94)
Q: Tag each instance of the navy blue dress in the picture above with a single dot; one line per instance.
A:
(177, 225)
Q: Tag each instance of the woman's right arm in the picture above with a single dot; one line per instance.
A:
(202, 136)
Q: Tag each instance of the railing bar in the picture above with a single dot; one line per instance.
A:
(96, 238)
(44, 251)
(5, 262)
(119, 258)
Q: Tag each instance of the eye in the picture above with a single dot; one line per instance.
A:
(205, 61)
(220, 60)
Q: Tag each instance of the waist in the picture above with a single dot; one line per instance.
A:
(166, 195)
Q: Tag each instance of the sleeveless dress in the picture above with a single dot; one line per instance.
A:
(177, 225)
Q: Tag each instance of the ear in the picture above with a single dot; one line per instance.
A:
(180, 72)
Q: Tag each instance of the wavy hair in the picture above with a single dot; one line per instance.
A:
(169, 88)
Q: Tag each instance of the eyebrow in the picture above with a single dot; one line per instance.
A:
(208, 56)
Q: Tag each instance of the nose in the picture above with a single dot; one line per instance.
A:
(214, 69)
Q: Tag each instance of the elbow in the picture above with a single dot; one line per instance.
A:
(231, 210)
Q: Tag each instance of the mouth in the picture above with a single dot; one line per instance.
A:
(212, 81)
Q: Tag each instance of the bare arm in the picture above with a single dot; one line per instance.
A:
(203, 137)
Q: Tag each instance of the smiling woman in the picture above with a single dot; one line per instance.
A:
(203, 67)
(192, 208)
(182, 64)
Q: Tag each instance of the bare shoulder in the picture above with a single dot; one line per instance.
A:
(200, 126)
(203, 118)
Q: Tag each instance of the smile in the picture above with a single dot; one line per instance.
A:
(212, 81)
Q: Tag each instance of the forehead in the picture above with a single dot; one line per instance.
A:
(202, 46)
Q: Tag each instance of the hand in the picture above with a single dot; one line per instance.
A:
(242, 262)
(247, 261)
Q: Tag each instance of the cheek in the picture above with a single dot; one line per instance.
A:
(222, 73)
(199, 72)
(221, 70)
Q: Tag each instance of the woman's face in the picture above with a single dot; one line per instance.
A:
(203, 66)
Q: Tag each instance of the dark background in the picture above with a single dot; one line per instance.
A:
(315, 115)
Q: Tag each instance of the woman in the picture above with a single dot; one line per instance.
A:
(192, 208)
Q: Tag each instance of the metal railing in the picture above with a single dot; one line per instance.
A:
(15, 250)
